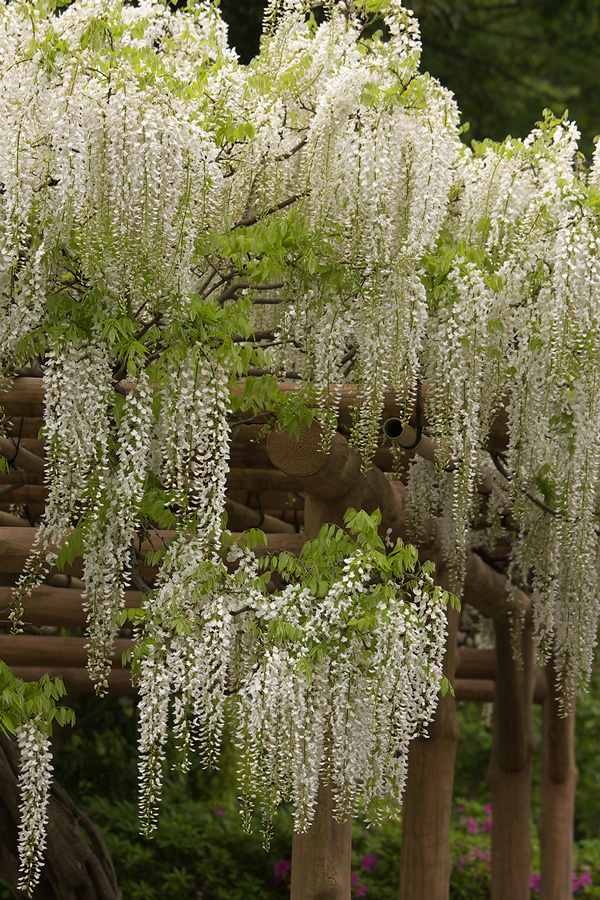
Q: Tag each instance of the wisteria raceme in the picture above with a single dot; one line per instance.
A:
(164, 211)
(297, 717)
(35, 773)
(77, 391)
(111, 527)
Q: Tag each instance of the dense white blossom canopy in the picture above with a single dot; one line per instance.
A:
(161, 206)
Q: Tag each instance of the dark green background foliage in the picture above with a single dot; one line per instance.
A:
(505, 60)
(200, 850)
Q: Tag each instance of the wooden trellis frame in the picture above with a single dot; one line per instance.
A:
(289, 488)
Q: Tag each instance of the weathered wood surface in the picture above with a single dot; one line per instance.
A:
(25, 398)
(16, 544)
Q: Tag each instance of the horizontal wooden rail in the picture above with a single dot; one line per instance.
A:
(483, 690)
(16, 543)
(60, 606)
(77, 679)
(51, 651)
(25, 397)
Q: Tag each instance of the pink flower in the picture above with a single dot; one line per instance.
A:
(219, 811)
(369, 861)
(488, 809)
(486, 825)
(534, 882)
(472, 826)
(282, 868)
(584, 879)
(361, 890)
(354, 879)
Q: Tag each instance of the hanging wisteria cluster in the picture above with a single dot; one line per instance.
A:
(34, 786)
(172, 221)
(329, 678)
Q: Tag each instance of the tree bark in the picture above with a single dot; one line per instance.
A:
(559, 779)
(425, 863)
(510, 768)
(77, 863)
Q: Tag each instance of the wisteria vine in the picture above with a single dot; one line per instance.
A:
(170, 223)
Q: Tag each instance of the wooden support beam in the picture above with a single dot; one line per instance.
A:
(511, 764)
(476, 664)
(25, 397)
(557, 793)
(77, 680)
(268, 499)
(482, 690)
(8, 520)
(23, 427)
(16, 543)
(266, 479)
(20, 478)
(27, 493)
(60, 606)
(17, 454)
(425, 862)
(321, 856)
(242, 518)
(55, 652)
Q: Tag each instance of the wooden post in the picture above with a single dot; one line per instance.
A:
(321, 856)
(559, 779)
(425, 863)
(510, 768)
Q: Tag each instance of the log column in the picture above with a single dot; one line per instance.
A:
(510, 768)
(559, 779)
(321, 856)
(425, 863)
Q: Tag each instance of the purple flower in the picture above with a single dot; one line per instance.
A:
(361, 890)
(472, 826)
(368, 863)
(534, 882)
(488, 809)
(584, 879)
(282, 868)
(461, 862)
(219, 811)
(486, 825)
(354, 878)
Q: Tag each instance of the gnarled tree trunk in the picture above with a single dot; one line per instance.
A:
(77, 863)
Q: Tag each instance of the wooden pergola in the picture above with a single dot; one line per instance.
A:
(289, 488)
